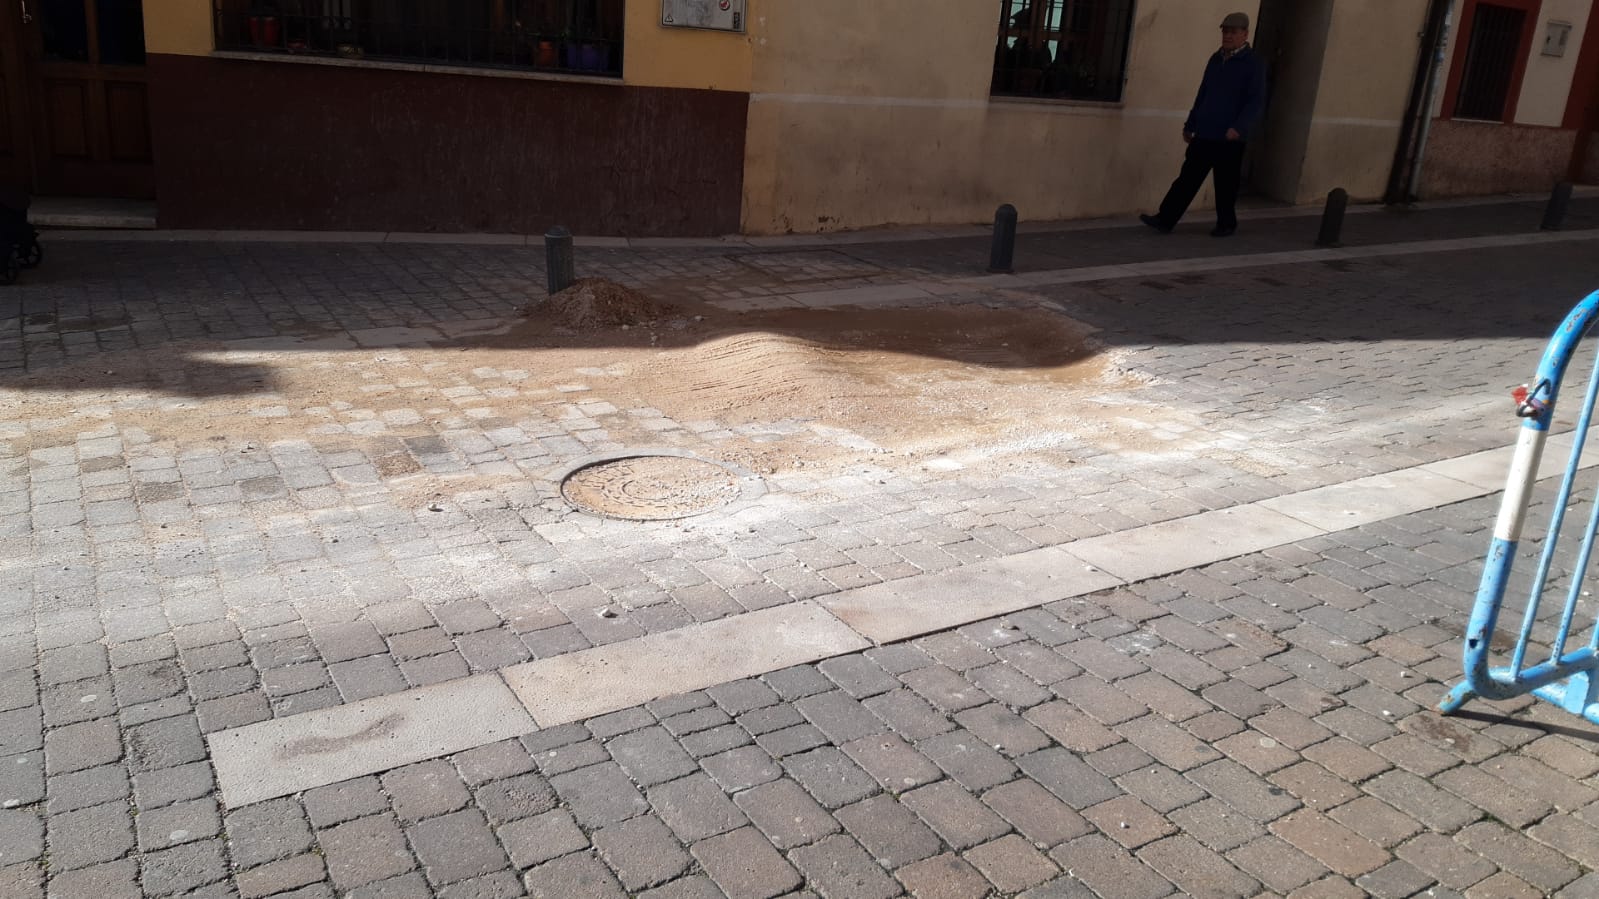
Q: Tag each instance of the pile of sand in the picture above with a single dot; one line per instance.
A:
(596, 304)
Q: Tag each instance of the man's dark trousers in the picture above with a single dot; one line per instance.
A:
(1226, 159)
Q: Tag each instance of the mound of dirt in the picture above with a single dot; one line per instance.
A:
(597, 304)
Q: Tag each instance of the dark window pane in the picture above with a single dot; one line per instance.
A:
(1062, 49)
(1490, 62)
(121, 26)
(65, 29)
(543, 34)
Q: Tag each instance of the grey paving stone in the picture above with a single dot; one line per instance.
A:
(457, 846)
(344, 801)
(786, 814)
(857, 675)
(425, 790)
(651, 756)
(579, 876)
(1068, 777)
(81, 789)
(531, 841)
(838, 866)
(22, 779)
(367, 677)
(281, 877)
(967, 759)
(954, 814)
(696, 886)
(1108, 869)
(741, 768)
(21, 836)
(466, 617)
(599, 794)
(642, 851)
(164, 744)
(515, 797)
(838, 716)
(741, 696)
(695, 808)
(1036, 813)
(113, 880)
(745, 865)
(617, 723)
(829, 776)
(791, 740)
(79, 746)
(266, 831)
(182, 868)
(365, 851)
(908, 715)
(888, 831)
(172, 825)
(797, 682)
(89, 836)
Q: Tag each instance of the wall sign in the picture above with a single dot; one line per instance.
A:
(1556, 35)
(717, 15)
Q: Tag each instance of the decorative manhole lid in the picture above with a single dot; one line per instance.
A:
(654, 487)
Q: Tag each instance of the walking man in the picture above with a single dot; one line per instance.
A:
(1232, 97)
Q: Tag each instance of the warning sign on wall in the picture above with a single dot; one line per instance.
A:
(719, 15)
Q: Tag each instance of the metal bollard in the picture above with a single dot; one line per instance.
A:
(1555, 213)
(558, 261)
(1004, 251)
(1332, 218)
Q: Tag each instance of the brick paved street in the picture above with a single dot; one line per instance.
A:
(242, 482)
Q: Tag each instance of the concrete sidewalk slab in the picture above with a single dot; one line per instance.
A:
(605, 679)
(288, 755)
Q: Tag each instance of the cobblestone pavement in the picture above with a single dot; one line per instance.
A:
(1256, 726)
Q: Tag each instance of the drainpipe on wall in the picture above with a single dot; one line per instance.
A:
(1413, 183)
(1406, 172)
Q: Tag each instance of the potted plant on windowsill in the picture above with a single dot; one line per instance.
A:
(594, 56)
(262, 21)
(547, 53)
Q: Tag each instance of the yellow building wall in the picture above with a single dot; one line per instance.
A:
(1360, 106)
(180, 27)
(658, 56)
(1547, 84)
(889, 121)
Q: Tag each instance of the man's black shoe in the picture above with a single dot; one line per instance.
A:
(1156, 223)
(1223, 231)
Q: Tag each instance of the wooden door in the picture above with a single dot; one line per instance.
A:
(87, 90)
(16, 152)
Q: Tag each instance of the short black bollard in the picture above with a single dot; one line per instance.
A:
(1555, 213)
(1332, 218)
(1004, 252)
(558, 261)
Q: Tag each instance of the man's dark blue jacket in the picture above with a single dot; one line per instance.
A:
(1231, 95)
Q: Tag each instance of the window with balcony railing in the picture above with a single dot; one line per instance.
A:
(1062, 49)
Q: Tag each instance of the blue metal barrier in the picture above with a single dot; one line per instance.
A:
(1566, 679)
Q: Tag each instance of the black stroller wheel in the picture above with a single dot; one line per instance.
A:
(10, 266)
(31, 255)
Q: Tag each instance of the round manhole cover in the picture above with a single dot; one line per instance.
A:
(653, 487)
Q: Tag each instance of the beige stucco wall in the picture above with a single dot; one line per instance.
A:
(1365, 85)
(1547, 84)
(889, 121)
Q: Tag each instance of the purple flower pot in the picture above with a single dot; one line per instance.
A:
(595, 57)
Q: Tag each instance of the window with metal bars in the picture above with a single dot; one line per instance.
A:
(1492, 52)
(1062, 49)
(558, 35)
